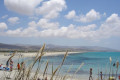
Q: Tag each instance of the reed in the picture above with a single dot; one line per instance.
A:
(54, 72)
(67, 72)
(52, 67)
(110, 67)
(77, 70)
(45, 69)
(117, 66)
(105, 76)
(37, 71)
(61, 64)
(36, 59)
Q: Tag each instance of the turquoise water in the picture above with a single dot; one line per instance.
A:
(98, 61)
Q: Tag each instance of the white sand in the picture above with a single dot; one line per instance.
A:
(13, 73)
(48, 54)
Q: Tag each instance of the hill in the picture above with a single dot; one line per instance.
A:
(51, 47)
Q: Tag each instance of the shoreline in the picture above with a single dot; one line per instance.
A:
(33, 54)
(49, 54)
(4, 56)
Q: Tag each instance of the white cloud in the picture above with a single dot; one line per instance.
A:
(5, 16)
(13, 20)
(70, 31)
(29, 32)
(46, 24)
(25, 7)
(3, 26)
(113, 18)
(48, 9)
(15, 33)
(110, 28)
(71, 15)
(32, 24)
(87, 28)
(32, 29)
(92, 15)
(51, 8)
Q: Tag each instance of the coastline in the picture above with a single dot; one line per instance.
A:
(5, 56)
(33, 54)
(49, 54)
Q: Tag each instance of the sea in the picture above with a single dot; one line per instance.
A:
(98, 61)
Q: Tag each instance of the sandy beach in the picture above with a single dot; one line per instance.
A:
(33, 54)
(5, 56)
(69, 77)
(48, 54)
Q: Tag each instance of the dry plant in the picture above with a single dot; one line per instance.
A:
(61, 65)
(78, 69)
(110, 66)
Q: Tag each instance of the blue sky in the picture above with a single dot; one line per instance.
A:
(61, 22)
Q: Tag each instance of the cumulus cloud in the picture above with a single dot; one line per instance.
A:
(3, 26)
(16, 32)
(46, 24)
(32, 24)
(51, 8)
(71, 15)
(48, 9)
(110, 28)
(13, 20)
(92, 15)
(70, 31)
(22, 6)
(33, 29)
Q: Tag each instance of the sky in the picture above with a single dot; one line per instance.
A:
(61, 22)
